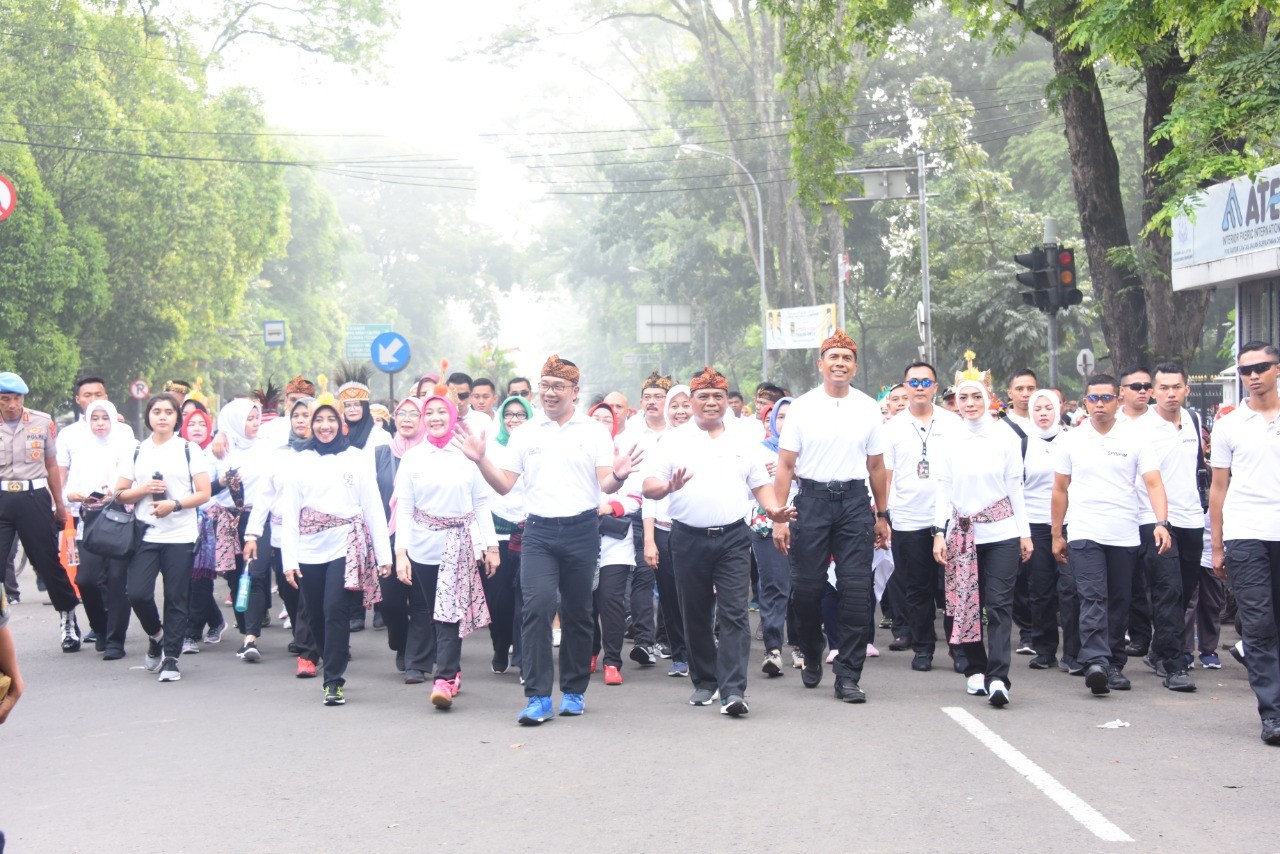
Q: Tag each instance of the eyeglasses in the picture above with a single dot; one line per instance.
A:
(515, 416)
(1138, 386)
(523, 392)
(1099, 398)
(558, 388)
(1256, 368)
(925, 383)
(408, 413)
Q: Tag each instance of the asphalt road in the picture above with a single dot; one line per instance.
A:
(99, 757)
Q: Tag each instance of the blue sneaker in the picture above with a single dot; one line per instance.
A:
(678, 668)
(1210, 661)
(537, 711)
(570, 704)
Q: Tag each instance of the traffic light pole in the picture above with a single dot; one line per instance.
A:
(1053, 347)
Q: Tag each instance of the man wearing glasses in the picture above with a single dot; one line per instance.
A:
(1135, 393)
(519, 387)
(912, 438)
(1094, 493)
(1135, 399)
(460, 389)
(566, 459)
(1245, 517)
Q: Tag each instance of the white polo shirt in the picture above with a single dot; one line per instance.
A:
(559, 464)
(170, 460)
(1101, 502)
(833, 436)
(908, 441)
(1246, 443)
(1176, 454)
(723, 471)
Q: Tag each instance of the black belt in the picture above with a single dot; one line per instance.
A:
(563, 520)
(718, 531)
(832, 490)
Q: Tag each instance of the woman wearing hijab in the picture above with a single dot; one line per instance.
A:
(411, 429)
(335, 539)
(442, 509)
(90, 480)
(502, 589)
(775, 567)
(1042, 578)
(204, 617)
(981, 533)
(236, 480)
(617, 563)
(165, 480)
(280, 467)
(363, 433)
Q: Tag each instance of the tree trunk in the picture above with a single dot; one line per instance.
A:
(1095, 178)
(1174, 321)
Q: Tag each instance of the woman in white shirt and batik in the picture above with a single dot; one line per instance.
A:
(335, 540)
(981, 534)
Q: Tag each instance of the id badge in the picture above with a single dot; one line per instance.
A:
(922, 469)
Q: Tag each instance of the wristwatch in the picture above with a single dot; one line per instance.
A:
(1163, 524)
(939, 532)
(882, 514)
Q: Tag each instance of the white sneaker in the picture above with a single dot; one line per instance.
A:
(998, 696)
(555, 637)
(872, 652)
(977, 684)
(797, 658)
(190, 647)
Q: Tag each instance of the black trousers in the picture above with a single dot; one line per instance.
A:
(394, 608)
(296, 608)
(1164, 582)
(171, 561)
(669, 596)
(611, 611)
(713, 575)
(420, 634)
(841, 527)
(997, 576)
(1068, 606)
(894, 604)
(202, 608)
(1253, 569)
(102, 588)
(1023, 617)
(913, 562)
(500, 593)
(1103, 577)
(1042, 591)
(557, 568)
(28, 516)
(329, 608)
(259, 583)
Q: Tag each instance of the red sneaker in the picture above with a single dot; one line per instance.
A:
(306, 669)
(442, 694)
(593, 663)
(612, 676)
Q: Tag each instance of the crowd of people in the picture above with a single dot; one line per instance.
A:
(562, 527)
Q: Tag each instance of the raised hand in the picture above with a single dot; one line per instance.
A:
(627, 461)
(679, 478)
(470, 442)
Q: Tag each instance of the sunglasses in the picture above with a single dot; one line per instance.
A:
(1256, 368)
(1139, 386)
(1099, 398)
(925, 383)
(524, 393)
(463, 395)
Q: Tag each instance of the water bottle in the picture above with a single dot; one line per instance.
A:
(242, 593)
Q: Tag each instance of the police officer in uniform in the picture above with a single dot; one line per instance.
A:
(30, 485)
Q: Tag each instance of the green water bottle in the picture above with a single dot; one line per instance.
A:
(242, 593)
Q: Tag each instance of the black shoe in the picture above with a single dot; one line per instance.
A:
(923, 662)
(811, 676)
(959, 661)
(400, 661)
(70, 631)
(113, 655)
(1116, 680)
(1136, 650)
(900, 643)
(378, 622)
(249, 652)
(99, 643)
(1095, 676)
(1178, 680)
(1157, 666)
(333, 695)
(886, 623)
(1043, 662)
(356, 624)
(848, 691)
(501, 661)
(294, 649)
(414, 677)
(1074, 668)
(1271, 731)
(643, 656)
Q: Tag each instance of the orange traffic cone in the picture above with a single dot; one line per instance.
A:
(69, 551)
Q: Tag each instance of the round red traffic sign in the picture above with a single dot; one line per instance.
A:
(8, 197)
(139, 389)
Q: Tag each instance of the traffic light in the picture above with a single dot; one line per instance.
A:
(1065, 284)
(1036, 278)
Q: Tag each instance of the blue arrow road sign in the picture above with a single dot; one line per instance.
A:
(390, 352)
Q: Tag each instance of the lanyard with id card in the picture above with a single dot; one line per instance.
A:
(922, 467)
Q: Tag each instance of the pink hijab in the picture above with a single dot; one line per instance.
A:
(400, 443)
(439, 441)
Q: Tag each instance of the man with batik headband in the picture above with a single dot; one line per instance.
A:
(705, 468)
(179, 389)
(833, 442)
(566, 459)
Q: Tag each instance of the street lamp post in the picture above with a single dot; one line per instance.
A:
(764, 301)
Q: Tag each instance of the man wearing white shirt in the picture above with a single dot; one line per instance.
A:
(833, 442)
(1022, 384)
(566, 459)
(911, 439)
(1135, 397)
(1175, 438)
(1245, 519)
(1094, 495)
(708, 470)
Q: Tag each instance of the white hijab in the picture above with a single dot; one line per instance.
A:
(231, 421)
(982, 423)
(1056, 427)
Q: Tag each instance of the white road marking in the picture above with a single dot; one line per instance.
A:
(1075, 806)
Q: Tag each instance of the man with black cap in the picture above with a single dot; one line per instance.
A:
(30, 485)
(833, 442)
(566, 459)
